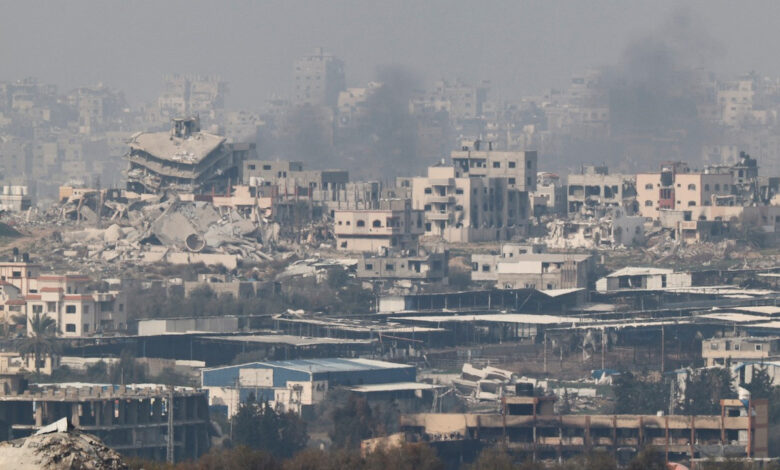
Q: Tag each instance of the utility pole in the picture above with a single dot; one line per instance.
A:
(171, 453)
(663, 352)
(603, 346)
(545, 352)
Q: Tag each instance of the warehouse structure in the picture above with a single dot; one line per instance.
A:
(296, 385)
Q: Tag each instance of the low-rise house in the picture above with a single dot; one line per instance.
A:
(636, 278)
(732, 349)
(426, 267)
(543, 271)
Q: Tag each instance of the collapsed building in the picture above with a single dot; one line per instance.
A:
(185, 159)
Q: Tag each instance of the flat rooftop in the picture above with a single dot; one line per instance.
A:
(323, 365)
(190, 150)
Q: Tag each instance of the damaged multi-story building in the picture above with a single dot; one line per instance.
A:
(594, 186)
(531, 429)
(396, 226)
(186, 159)
(143, 420)
(483, 196)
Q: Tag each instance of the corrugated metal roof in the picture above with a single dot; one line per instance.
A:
(395, 387)
(528, 319)
(638, 271)
(335, 365)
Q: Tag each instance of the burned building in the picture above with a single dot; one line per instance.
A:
(529, 427)
(185, 159)
(135, 420)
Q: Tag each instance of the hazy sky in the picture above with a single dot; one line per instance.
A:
(522, 46)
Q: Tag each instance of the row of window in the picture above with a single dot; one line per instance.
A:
(649, 203)
(692, 187)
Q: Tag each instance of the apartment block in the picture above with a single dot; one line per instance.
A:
(378, 229)
(78, 309)
(594, 186)
(675, 187)
(464, 207)
(318, 79)
(519, 168)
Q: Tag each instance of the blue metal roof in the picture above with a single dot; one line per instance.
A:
(335, 370)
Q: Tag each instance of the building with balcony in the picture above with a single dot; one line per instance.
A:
(594, 186)
(77, 308)
(460, 207)
(184, 159)
(519, 168)
(396, 228)
(675, 187)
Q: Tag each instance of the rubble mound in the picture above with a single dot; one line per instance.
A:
(59, 451)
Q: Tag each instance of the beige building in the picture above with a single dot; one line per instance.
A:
(463, 208)
(519, 168)
(595, 186)
(318, 79)
(722, 351)
(685, 191)
(542, 271)
(78, 309)
(380, 229)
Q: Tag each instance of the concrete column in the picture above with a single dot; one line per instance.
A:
(75, 419)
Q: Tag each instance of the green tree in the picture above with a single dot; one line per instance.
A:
(704, 389)
(127, 370)
(415, 456)
(39, 340)
(633, 396)
(494, 458)
(760, 385)
(315, 459)
(648, 459)
(259, 426)
(353, 422)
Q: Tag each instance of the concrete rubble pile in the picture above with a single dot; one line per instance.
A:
(59, 450)
(155, 229)
(661, 248)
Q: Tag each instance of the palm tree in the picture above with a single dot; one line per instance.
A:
(39, 340)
